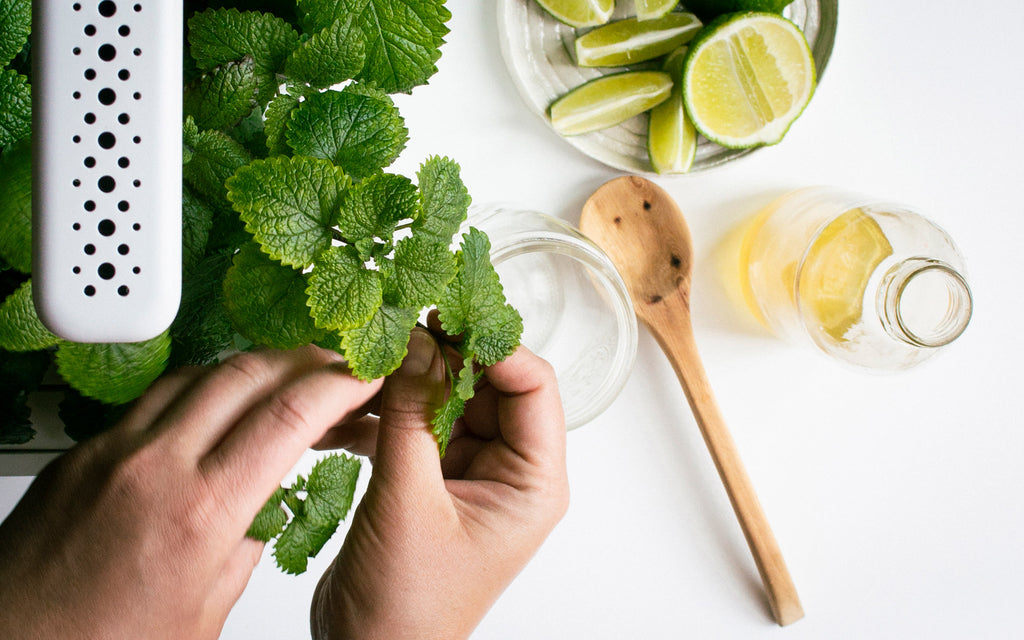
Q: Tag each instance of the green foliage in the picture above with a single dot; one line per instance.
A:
(113, 373)
(16, 206)
(15, 26)
(15, 107)
(202, 329)
(341, 276)
(221, 97)
(20, 327)
(329, 57)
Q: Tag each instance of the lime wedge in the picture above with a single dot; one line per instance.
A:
(651, 9)
(627, 41)
(580, 13)
(747, 77)
(671, 137)
(713, 8)
(609, 100)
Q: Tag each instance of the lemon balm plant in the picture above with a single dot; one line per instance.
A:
(293, 230)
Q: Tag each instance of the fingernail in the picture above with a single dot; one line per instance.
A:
(422, 350)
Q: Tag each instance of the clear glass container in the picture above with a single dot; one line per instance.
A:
(870, 282)
(576, 311)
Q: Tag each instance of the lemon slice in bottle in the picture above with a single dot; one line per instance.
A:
(631, 40)
(835, 272)
(671, 137)
(651, 9)
(747, 77)
(580, 13)
(609, 100)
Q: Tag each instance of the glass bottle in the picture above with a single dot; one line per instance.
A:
(870, 282)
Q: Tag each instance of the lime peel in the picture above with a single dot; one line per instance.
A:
(608, 100)
(631, 40)
(579, 13)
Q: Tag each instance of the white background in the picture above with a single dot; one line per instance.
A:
(896, 499)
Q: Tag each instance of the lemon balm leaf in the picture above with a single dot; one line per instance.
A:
(359, 130)
(422, 270)
(113, 373)
(288, 205)
(377, 348)
(329, 57)
(20, 327)
(267, 302)
(16, 206)
(15, 107)
(270, 520)
(220, 98)
(213, 157)
(278, 112)
(343, 294)
(372, 208)
(15, 26)
(444, 200)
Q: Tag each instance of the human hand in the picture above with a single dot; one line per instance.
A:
(434, 542)
(140, 531)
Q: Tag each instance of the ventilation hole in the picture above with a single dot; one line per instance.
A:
(76, 183)
(107, 96)
(76, 139)
(137, 95)
(90, 30)
(89, 249)
(123, 249)
(123, 118)
(76, 270)
(106, 184)
(90, 291)
(136, 270)
(107, 8)
(124, 74)
(136, 226)
(137, 52)
(107, 140)
(107, 52)
(122, 291)
(77, 51)
(89, 205)
(123, 205)
(124, 30)
(90, 74)
(137, 183)
(123, 162)
(89, 162)
(76, 95)
(90, 118)
(106, 228)
(137, 8)
(136, 140)
(76, 227)
(76, 6)
(106, 271)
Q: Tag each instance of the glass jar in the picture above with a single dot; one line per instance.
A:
(870, 282)
(576, 311)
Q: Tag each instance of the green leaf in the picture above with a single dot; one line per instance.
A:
(219, 36)
(16, 206)
(444, 420)
(113, 373)
(329, 493)
(267, 302)
(422, 270)
(343, 294)
(270, 520)
(15, 107)
(20, 327)
(278, 113)
(377, 348)
(202, 329)
(329, 57)
(224, 95)
(213, 157)
(196, 221)
(20, 375)
(444, 200)
(474, 304)
(372, 208)
(15, 27)
(403, 37)
(84, 417)
(288, 204)
(357, 129)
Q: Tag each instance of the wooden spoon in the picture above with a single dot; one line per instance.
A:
(642, 230)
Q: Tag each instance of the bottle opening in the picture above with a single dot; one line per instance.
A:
(927, 303)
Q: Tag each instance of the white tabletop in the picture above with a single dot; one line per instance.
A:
(896, 499)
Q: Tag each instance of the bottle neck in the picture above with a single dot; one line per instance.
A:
(925, 303)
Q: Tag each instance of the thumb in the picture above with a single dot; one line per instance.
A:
(407, 454)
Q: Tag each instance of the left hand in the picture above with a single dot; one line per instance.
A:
(140, 531)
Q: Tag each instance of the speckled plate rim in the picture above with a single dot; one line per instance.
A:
(538, 53)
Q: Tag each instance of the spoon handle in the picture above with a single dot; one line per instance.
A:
(681, 348)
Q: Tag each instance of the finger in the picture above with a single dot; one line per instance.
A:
(235, 574)
(407, 455)
(160, 395)
(217, 401)
(529, 407)
(357, 436)
(269, 440)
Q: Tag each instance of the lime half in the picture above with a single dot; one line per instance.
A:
(651, 9)
(747, 77)
(609, 100)
(580, 13)
(631, 40)
(671, 137)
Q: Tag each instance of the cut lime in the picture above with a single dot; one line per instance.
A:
(671, 137)
(747, 77)
(713, 8)
(580, 13)
(651, 9)
(627, 41)
(609, 100)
